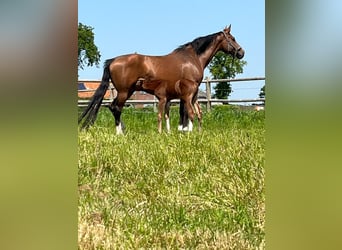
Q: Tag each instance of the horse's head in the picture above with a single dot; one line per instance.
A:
(230, 46)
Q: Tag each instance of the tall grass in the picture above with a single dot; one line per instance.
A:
(179, 190)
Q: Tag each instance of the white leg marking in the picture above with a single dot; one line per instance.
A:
(189, 127)
(167, 124)
(180, 127)
(119, 129)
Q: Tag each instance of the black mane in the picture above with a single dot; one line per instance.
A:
(199, 44)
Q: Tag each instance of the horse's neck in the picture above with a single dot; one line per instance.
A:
(209, 53)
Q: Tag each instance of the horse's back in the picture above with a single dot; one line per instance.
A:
(126, 69)
(127, 60)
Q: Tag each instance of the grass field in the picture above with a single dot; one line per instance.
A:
(200, 190)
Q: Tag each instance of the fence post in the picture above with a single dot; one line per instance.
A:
(208, 92)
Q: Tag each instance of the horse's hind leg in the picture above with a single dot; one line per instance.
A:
(116, 109)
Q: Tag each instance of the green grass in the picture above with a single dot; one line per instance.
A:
(169, 191)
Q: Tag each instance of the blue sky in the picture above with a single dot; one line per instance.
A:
(158, 27)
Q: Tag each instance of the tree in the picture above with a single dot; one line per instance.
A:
(88, 54)
(223, 66)
(262, 92)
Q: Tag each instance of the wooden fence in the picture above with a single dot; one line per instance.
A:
(208, 100)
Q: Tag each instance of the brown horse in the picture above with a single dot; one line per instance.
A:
(186, 62)
(165, 91)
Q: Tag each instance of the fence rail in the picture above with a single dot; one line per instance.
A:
(106, 102)
(235, 80)
(208, 100)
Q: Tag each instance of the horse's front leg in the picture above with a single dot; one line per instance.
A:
(167, 115)
(183, 116)
(161, 106)
(191, 115)
(198, 112)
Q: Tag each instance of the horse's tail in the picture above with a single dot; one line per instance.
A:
(89, 115)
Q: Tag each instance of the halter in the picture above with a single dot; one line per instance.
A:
(229, 43)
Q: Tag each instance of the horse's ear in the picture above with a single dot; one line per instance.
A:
(227, 29)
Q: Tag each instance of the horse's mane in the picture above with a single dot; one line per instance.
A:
(199, 44)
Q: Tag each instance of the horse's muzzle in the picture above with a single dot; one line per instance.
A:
(240, 53)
